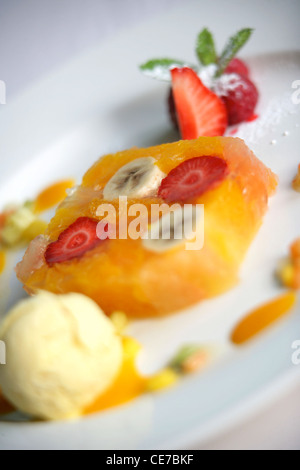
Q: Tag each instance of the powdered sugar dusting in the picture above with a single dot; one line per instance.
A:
(270, 117)
(207, 75)
(221, 85)
(227, 83)
(163, 73)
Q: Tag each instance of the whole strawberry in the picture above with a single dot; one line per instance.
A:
(240, 97)
(237, 66)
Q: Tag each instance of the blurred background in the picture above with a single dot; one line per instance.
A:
(36, 37)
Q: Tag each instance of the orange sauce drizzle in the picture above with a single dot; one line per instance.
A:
(52, 195)
(2, 261)
(128, 385)
(263, 317)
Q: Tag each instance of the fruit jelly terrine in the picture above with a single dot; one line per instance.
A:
(128, 275)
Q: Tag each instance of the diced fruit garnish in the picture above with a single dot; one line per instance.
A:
(131, 347)
(2, 261)
(74, 242)
(288, 271)
(29, 205)
(120, 320)
(36, 228)
(240, 96)
(195, 362)
(296, 182)
(190, 358)
(295, 251)
(20, 225)
(15, 226)
(193, 178)
(163, 379)
(200, 112)
(237, 66)
(4, 216)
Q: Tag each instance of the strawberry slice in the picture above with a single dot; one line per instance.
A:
(193, 178)
(200, 112)
(75, 241)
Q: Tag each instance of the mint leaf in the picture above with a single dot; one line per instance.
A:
(205, 48)
(160, 68)
(234, 44)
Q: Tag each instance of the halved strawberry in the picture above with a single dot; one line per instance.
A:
(200, 112)
(193, 178)
(75, 241)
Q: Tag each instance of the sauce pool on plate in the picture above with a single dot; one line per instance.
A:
(128, 385)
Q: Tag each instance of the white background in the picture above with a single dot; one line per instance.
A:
(36, 36)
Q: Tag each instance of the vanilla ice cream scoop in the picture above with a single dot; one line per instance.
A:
(62, 352)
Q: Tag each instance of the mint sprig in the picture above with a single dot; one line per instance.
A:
(206, 54)
(205, 48)
(160, 68)
(233, 46)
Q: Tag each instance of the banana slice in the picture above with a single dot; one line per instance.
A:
(180, 225)
(138, 178)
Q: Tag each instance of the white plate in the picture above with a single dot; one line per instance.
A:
(100, 103)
